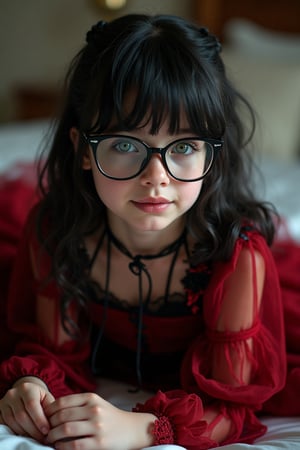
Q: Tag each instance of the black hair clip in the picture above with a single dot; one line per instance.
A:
(204, 31)
(212, 42)
(92, 34)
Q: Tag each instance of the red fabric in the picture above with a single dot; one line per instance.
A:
(287, 258)
(163, 432)
(17, 195)
(64, 367)
(185, 414)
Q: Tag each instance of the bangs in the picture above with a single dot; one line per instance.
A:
(159, 80)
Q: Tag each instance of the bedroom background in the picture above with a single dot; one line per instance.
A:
(38, 39)
(261, 49)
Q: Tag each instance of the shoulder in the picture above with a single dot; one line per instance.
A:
(250, 247)
(249, 261)
(240, 282)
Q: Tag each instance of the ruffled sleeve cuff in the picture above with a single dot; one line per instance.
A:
(163, 431)
(19, 367)
(179, 420)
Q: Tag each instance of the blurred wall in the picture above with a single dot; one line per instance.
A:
(39, 37)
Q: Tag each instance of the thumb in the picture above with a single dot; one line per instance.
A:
(47, 399)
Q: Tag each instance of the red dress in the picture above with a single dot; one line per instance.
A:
(65, 368)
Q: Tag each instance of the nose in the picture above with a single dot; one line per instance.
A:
(155, 173)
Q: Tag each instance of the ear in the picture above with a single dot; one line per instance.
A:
(74, 136)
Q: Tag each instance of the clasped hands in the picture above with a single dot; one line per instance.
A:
(74, 422)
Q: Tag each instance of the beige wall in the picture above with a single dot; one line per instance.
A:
(39, 37)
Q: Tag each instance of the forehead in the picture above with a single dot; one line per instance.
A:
(155, 118)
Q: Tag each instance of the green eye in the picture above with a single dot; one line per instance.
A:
(183, 148)
(125, 147)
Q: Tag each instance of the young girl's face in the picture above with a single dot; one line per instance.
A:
(153, 200)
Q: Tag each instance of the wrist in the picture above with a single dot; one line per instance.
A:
(146, 425)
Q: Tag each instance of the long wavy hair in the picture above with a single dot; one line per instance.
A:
(172, 65)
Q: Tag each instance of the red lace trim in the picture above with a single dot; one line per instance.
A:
(163, 431)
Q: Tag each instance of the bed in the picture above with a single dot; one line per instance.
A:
(261, 51)
(280, 183)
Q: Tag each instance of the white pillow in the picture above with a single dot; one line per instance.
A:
(273, 89)
(260, 42)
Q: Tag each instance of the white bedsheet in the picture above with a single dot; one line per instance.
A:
(282, 434)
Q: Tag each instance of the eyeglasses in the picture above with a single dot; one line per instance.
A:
(122, 157)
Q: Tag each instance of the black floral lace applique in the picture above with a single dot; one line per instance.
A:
(195, 283)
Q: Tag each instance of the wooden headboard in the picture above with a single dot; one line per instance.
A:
(277, 15)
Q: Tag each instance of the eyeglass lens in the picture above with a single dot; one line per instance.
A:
(124, 157)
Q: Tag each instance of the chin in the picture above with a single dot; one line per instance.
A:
(152, 224)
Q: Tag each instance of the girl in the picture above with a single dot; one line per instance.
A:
(146, 259)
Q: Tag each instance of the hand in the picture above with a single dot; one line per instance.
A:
(22, 408)
(97, 424)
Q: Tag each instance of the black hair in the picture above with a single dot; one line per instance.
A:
(168, 65)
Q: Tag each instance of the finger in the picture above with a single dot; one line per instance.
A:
(86, 443)
(21, 424)
(70, 431)
(25, 400)
(9, 420)
(22, 411)
(47, 400)
(70, 401)
(24, 419)
(69, 415)
(38, 420)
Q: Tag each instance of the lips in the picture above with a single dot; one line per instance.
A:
(153, 200)
(152, 204)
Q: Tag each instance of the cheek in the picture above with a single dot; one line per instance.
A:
(103, 184)
(105, 188)
(190, 193)
(109, 191)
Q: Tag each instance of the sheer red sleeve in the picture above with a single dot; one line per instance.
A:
(237, 363)
(60, 364)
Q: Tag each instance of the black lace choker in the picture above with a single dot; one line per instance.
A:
(137, 267)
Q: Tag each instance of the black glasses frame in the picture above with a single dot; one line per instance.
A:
(94, 139)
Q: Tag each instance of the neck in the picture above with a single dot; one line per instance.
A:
(146, 242)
